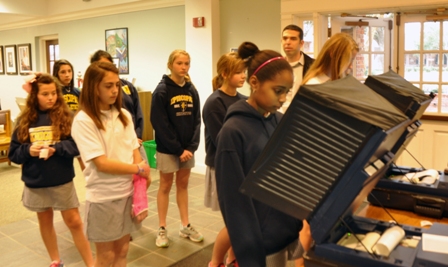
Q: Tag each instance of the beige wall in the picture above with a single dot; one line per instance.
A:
(153, 34)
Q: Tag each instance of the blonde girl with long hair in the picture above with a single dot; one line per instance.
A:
(334, 60)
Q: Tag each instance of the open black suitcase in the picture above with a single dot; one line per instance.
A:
(424, 199)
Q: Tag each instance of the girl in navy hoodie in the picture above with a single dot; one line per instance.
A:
(176, 119)
(63, 71)
(259, 234)
(42, 143)
(231, 75)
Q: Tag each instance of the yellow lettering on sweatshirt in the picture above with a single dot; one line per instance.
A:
(42, 135)
(181, 98)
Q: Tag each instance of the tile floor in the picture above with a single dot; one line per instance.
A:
(21, 244)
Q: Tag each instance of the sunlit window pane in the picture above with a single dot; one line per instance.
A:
(308, 36)
(377, 64)
(377, 38)
(445, 35)
(431, 35)
(430, 67)
(412, 67)
(361, 66)
(412, 36)
(362, 38)
(444, 98)
(51, 50)
(56, 49)
(444, 64)
(434, 88)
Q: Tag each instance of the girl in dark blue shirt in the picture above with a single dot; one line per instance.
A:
(231, 75)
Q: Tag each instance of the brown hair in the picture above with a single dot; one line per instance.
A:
(57, 66)
(334, 58)
(99, 54)
(60, 115)
(88, 101)
(228, 64)
(254, 58)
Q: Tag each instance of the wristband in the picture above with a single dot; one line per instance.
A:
(140, 170)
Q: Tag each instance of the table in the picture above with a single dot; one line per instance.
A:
(401, 216)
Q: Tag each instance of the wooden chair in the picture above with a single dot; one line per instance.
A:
(5, 135)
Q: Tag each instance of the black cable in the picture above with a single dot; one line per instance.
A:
(388, 213)
(402, 173)
(421, 165)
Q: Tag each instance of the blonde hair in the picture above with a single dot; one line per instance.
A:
(334, 58)
(173, 57)
(228, 64)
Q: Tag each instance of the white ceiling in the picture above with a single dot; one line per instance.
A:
(23, 13)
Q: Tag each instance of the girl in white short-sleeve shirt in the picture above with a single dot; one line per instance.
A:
(105, 136)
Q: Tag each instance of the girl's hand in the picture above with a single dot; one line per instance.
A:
(51, 151)
(144, 167)
(139, 218)
(35, 150)
(186, 156)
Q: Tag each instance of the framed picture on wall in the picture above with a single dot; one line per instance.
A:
(10, 60)
(24, 56)
(2, 60)
(117, 46)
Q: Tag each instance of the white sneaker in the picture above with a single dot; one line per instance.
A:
(189, 232)
(162, 240)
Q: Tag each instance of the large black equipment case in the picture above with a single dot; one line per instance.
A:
(423, 199)
(330, 149)
(428, 200)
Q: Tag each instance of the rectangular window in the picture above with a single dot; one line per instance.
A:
(425, 51)
(52, 51)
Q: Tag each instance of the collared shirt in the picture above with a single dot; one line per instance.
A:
(297, 68)
(116, 142)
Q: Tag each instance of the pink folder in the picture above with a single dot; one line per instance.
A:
(140, 199)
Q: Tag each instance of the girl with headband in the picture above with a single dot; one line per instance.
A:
(259, 234)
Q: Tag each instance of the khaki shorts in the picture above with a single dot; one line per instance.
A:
(168, 163)
(61, 197)
(109, 221)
